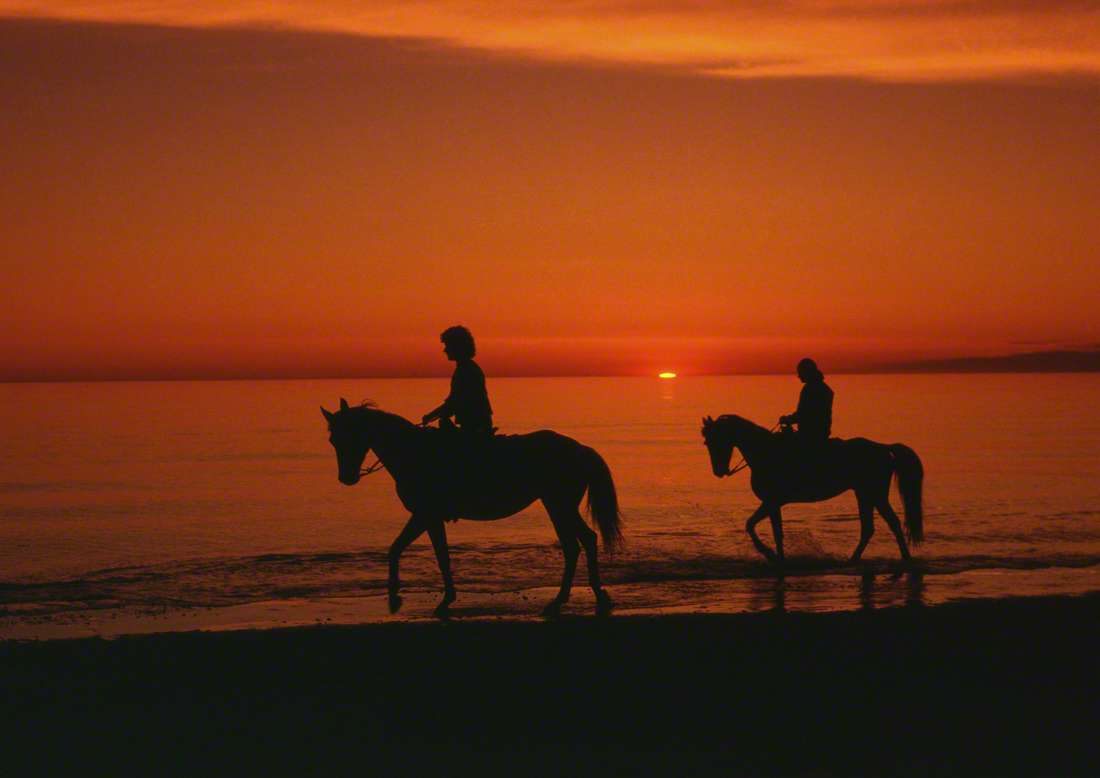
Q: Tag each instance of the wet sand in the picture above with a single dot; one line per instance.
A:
(988, 687)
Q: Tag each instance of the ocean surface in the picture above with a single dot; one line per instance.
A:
(130, 507)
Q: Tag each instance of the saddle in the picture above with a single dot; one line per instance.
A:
(450, 427)
(805, 457)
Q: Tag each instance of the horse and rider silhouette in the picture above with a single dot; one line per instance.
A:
(463, 469)
(806, 465)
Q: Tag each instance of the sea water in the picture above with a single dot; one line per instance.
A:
(215, 495)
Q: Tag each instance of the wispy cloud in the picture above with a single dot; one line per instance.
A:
(895, 40)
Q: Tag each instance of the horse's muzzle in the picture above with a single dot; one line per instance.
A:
(349, 479)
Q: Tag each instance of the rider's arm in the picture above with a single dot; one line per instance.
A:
(438, 413)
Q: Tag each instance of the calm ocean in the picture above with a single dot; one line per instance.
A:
(221, 497)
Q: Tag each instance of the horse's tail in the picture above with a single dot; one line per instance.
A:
(909, 473)
(603, 501)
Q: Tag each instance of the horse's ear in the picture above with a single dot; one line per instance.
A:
(707, 421)
(328, 416)
(343, 404)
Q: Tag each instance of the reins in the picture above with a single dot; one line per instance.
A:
(740, 466)
(372, 469)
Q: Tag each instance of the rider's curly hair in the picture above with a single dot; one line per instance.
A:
(459, 340)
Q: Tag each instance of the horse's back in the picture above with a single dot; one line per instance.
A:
(491, 477)
(818, 470)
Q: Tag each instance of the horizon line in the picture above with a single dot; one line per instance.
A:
(1050, 362)
(681, 376)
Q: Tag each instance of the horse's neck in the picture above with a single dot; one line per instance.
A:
(391, 437)
(754, 441)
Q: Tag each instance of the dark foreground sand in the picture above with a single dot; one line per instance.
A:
(1005, 687)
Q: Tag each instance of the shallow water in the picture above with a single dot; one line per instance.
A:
(199, 495)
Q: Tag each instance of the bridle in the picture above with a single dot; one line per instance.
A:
(743, 464)
(740, 466)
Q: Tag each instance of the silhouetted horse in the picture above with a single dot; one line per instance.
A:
(786, 470)
(444, 475)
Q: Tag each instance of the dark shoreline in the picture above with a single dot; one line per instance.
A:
(987, 687)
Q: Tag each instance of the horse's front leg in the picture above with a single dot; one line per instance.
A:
(414, 528)
(437, 531)
(777, 533)
(750, 527)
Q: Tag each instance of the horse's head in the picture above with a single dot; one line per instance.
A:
(720, 443)
(346, 436)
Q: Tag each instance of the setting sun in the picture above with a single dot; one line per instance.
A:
(667, 375)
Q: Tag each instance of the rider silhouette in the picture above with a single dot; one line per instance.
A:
(814, 416)
(468, 401)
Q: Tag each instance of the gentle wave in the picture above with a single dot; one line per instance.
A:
(213, 583)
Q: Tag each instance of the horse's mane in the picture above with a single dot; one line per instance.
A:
(370, 408)
(737, 428)
(739, 422)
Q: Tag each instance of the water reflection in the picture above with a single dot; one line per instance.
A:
(768, 593)
(902, 587)
(668, 389)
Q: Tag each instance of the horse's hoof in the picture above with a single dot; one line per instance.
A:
(552, 610)
(444, 607)
(394, 601)
(603, 603)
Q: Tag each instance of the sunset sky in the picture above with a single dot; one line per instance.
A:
(317, 188)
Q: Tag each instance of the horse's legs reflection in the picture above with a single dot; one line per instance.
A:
(914, 594)
(780, 593)
(867, 590)
(914, 587)
(771, 593)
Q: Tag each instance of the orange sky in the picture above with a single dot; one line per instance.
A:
(312, 189)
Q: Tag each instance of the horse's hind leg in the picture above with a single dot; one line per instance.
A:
(437, 531)
(571, 550)
(592, 553)
(866, 524)
(575, 533)
(894, 523)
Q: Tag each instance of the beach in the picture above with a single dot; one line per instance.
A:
(985, 687)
